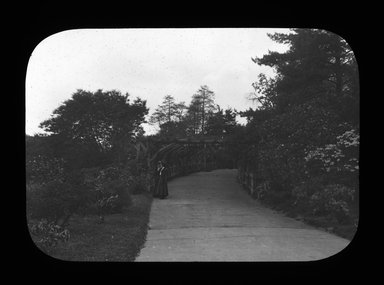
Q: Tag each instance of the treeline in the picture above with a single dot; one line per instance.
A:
(305, 154)
(202, 117)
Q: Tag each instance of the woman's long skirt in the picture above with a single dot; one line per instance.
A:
(161, 189)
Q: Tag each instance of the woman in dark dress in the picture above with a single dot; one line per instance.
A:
(161, 186)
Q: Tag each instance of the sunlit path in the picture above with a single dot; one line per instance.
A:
(208, 217)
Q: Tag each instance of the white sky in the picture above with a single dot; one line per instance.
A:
(146, 63)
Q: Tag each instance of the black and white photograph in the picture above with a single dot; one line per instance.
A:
(192, 144)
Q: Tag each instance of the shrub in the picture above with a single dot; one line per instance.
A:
(341, 158)
(46, 200)
(318, 197)
(47, 234)
(57, 199)
(41, 168)
(112, 182)
(277, 197)
(139, 184)
(335, 200)
(302, 192)
(118, 189)
(107, 205)
(261, 190)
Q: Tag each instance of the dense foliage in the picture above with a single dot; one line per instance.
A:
(84, 164)
(306, 127)
(95, 128)
(47, 234)
(300, 146)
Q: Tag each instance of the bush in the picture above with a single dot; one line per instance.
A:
(320, 198)
(87, 191)
(112, 182)
(47, 200)
(335, 200)
(302, 192)
(57, 199)
(41, 168)
(276, 196)
(107, 205)
(47, 234)
(340, 159)
(118, 189)
(139, 184)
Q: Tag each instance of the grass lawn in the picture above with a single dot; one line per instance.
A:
(119, 238)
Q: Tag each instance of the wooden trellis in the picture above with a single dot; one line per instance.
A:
(192, 153)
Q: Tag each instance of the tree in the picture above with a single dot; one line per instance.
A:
(309, 112)
(169, 116)
(318, 64)
(221, 123)
(229, 120)
(201, 108)
(180, 109)
(167, 112)
(157, 117)
(91, 127)
(176, 119)
(173, 129)
(215, 124)
(193, 118)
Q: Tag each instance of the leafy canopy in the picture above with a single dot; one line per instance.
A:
(93, 123)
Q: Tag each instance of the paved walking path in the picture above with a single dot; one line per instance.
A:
(209, 217)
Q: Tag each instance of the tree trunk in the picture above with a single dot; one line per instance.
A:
(203, 117)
